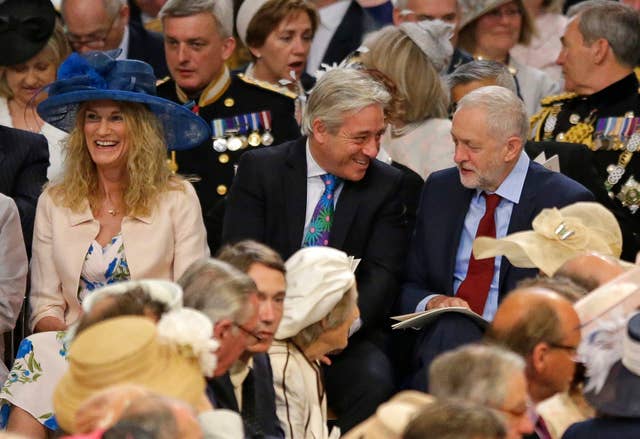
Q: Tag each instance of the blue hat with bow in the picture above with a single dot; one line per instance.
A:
(99, 76)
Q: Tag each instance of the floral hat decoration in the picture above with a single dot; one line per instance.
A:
(557, 236)
(99, 75)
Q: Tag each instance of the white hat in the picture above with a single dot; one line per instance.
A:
(317, 278)
(246, 12)
(557, 236)
(168, 293)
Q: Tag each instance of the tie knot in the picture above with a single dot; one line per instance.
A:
(491, 200)
(330, 181)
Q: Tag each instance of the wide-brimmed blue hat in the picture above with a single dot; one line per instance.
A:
(97, 76)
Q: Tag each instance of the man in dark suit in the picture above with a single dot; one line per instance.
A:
(344, 23)
(328, 189)
(248, 387)
(495, 176)
(105, 25)
(24, 159)
(235, 106)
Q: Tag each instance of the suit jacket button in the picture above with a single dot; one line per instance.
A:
(221, 189)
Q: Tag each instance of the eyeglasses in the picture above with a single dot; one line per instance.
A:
(247, 332)
(96, 40)
(571, 350)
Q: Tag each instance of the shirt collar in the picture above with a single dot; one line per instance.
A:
(331, 16)
(211, 92)
(511, 187)
(239, 371)
(124, 44)
(313, 168)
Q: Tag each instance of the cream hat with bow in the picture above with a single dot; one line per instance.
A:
(557, 236)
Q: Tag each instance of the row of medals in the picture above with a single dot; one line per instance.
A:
(235, 141)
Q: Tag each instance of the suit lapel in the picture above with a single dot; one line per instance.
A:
(521, 217)
(459, 199)
(294, 192)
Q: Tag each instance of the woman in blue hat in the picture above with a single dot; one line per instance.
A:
(116, 212)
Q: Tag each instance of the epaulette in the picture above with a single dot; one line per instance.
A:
(159, 82)
(268, 86)
(554, 99)
(637, 73)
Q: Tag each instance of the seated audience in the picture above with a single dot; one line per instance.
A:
(26, 405)
(117, 212)
(613, 387)
(278, 198)
(23, 169)
(319, 309)
(229, 298)
(21, 90)
(455, 420)
(495, 190)
(240, 113)
(544, 328)
(248, 386)
(486, 375)
(605, 92)
(130, 349)
(490, 29)
(413, 56)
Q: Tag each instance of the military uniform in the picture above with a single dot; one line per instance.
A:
(243, 114)
(607, 123)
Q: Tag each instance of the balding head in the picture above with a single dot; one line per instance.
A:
(590, 270)
(543, 327)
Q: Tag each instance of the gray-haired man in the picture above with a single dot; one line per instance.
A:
(328, 189)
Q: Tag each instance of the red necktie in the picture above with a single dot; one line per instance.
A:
(475, 287)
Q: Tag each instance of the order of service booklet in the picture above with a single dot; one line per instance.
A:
(417, 320)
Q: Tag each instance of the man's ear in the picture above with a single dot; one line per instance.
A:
(222, 329)
(600, 49)
(228, 46)
(539, 357)
(319, 130)
(513, 148)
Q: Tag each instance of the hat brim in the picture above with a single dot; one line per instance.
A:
(168, 374)
(619, 395)
(182, 129)
(525, 250)
(479, 13)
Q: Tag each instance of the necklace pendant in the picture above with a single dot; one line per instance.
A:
(112, 212)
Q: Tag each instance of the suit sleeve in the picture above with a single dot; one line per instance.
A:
(378, 275)
(244, 216)
(28, 184)
(414, 287)
(13, 265)
(188, 229)
(46, 296)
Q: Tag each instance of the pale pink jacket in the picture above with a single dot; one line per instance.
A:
(161, 245)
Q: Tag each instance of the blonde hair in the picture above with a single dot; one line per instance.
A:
(58, 48)
(420, 93)
(147, 171)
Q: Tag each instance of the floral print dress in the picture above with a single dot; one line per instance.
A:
(103, 266)
(41, 358)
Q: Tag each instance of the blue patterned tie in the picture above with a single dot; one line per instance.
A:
(322, 218)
